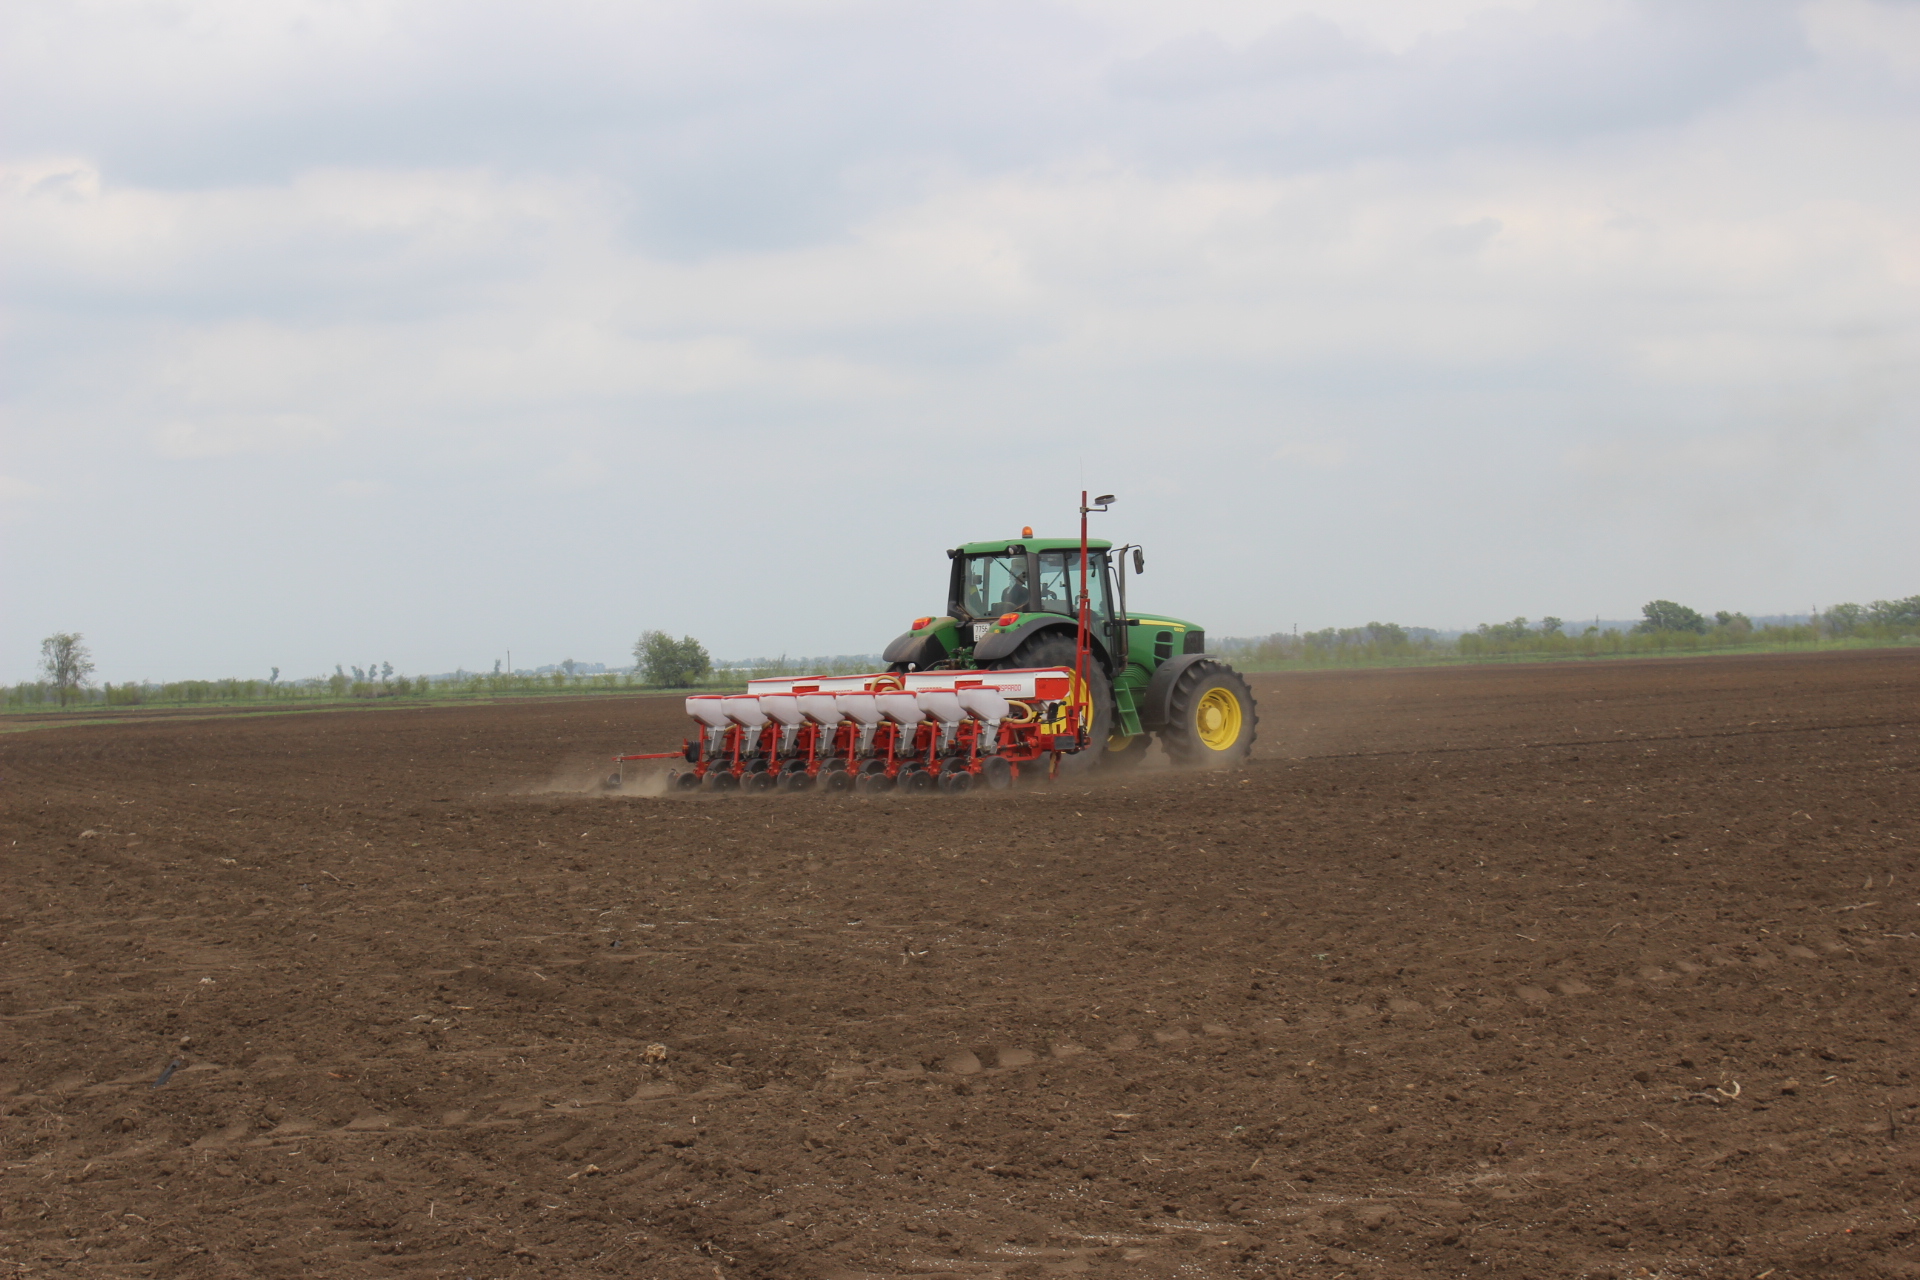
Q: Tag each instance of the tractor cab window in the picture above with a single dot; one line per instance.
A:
(996, 585)
(1060, 583)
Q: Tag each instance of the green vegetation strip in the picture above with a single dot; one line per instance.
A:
(666, 667)
(1415, 656)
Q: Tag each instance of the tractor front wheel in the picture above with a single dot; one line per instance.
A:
(1123, 754)
(1210, 718)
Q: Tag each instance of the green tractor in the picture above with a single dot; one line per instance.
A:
(1062, 602)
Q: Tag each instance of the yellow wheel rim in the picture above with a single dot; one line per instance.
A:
(1081, 697)
(1120, 741)
(1218, 719)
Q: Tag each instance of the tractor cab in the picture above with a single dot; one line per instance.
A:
(1040, 575)
(1004, 594)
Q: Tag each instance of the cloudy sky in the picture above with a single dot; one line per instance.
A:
(413, 330)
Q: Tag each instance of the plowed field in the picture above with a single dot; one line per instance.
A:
(1573, 970)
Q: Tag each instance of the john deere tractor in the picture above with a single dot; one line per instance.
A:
(1018, 603)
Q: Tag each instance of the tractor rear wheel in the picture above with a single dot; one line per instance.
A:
(1210, 718)
(1055, 649)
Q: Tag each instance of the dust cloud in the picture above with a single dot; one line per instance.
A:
(600, 777)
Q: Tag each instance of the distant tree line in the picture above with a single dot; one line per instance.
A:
(1667, 626)
(1664, 627)
(1882, 617)
(67, 667)
(1377, 641)
(662, 662)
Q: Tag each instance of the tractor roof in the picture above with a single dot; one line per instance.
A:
(999, 546)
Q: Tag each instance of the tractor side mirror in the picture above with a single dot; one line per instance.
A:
(1139, 561)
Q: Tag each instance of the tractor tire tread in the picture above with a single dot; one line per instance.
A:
(1179, 738)
(1054, 649)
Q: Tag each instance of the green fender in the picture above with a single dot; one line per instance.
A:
(1001, 644)
(1153, 703)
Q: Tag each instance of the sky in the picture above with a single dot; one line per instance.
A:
(414, 331)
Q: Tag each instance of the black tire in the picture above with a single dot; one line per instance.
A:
(872, 784)
(687, 781)
(1195, 736)
(1055, 649)
(835, 780)
(996, 774)
(722, 779)
(917, 781)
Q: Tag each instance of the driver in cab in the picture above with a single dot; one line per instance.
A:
(1015, 595)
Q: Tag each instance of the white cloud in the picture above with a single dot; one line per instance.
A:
(1686, 460)
(228, 435)
(15, 490)
(578, 470)
(1322, 455)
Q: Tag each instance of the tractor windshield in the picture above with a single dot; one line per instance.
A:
(1060, 582)
(996, 585)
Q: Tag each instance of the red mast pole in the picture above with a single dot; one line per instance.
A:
(1080, 635)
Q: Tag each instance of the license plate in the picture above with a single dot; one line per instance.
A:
(980, 630)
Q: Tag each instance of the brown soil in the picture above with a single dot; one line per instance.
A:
(1547, 970)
